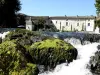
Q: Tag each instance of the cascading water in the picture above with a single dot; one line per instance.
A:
(3, 35)
(79, 66)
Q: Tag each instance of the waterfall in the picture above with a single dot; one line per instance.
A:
(97, 30)
(79, 66)
(2, 35)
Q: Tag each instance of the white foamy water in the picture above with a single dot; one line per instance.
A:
(3, 35)
(73, 41)
(97, 30)
(77, 67)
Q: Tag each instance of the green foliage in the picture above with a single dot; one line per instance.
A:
(21, 19)
(13, 60)
(8, 9)
(40, 23)
(97, 23)
(55, 43)
(31, 69)
(97, 5)
(52, 51)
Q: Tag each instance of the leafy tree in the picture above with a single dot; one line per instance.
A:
(97, 5)
(8, 10)
(97, 24)
(21, 19)
(40, 23)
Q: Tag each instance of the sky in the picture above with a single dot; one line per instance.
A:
(58, 7)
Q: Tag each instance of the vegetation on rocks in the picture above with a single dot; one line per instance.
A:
(24, 37)
(95, 63)
(14, 60)
(51, 52)
(39, 49)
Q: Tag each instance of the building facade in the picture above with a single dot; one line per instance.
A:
(69, 23)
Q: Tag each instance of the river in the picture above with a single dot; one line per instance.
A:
(85, 51)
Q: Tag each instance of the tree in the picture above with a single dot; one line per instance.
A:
(8, 10)
(97, 5)
(40, 23)
(97, 24)
(21, 18)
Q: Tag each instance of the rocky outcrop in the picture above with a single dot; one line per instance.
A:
(51, 52)
(25, 37)
(95, 62)
(0, 40)
(15, 60)
(42, 50)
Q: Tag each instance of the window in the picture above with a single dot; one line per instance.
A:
(56, 22)
(88, 24)
(66, 23)
(51, 21)
(77, 24)
(60, 25)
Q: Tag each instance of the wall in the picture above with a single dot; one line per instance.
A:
(73, 24)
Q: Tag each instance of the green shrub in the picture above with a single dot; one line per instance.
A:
(14, 58)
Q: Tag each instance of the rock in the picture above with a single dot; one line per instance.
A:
(51, 52)
(0, 40)
(25, 37)
(98, 47)
(31, 69)
(95, 63)
(15, 60)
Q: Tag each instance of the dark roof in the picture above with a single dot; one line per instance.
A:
(37, 17)
(72, 17)
(60, 17)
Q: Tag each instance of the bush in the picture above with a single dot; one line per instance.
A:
(15, 59)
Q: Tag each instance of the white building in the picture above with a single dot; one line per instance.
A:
(70, 23)
(74, 23)
(29, 25)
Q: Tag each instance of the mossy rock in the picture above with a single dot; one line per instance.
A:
(23, 36)
(31, 69)
(0, 40)
(51, 52)
(94, 63)
(13, 58)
